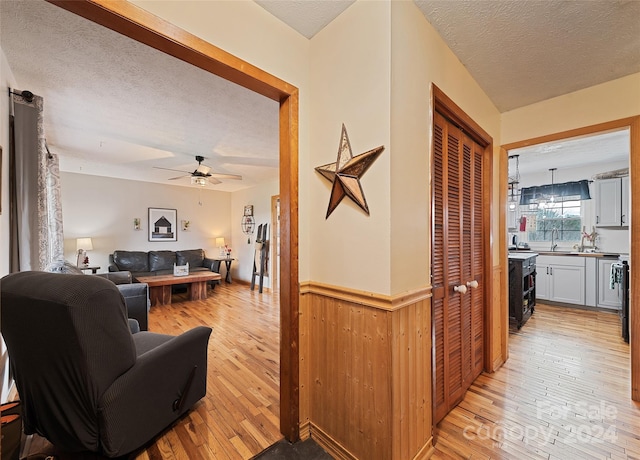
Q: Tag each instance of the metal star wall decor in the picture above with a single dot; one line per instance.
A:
(346, 172)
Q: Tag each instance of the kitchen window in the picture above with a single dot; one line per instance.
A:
(564, 216)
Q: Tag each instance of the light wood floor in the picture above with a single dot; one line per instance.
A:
(564, 394)
(239, 416)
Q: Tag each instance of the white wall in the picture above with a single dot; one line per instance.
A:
(612, 100)
(350, 84)
(7, 80)
(260, 198)
(104, 208)
(249, 32)
(419, 58)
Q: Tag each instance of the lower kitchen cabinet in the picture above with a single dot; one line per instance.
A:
(561, 279)
(608, 298)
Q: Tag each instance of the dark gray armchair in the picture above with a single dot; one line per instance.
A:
(136, 296)
(86, 382)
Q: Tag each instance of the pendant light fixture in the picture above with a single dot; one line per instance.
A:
(514, 180)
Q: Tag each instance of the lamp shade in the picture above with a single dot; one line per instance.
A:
(219, 242)
(84, 244)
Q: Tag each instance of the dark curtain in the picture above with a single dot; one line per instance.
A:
(35, 215)
(578, 190)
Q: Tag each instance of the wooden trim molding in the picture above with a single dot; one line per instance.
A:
(144, 27)
(633, 124)
(448, 108)
(369, 299)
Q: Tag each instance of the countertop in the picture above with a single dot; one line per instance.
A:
(564, 253)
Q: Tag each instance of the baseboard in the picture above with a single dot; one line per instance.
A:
(329, 444)
(305, 430)
(426, 451)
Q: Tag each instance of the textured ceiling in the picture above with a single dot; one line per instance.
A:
(606, 150)
(526, 51)
(116, 108)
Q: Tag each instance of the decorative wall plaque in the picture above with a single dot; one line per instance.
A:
(346, 172)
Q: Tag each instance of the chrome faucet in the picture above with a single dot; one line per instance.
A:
(554, 234)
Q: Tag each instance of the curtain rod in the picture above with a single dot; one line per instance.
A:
(26, 94)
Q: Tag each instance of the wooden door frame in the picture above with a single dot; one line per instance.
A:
(441, 103)
(274, 249)
(633, 124)
(144, 27)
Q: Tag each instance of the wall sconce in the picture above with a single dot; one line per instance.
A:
(83, 245)
(220, 244)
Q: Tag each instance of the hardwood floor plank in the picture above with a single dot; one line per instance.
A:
(563, 394)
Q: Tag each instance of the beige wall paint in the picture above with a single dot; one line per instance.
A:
(249, 32)
(103, 209)
(598, 104)
(420, 58)
(350, 84)
(260, 198)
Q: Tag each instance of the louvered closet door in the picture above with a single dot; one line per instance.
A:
(457, 259)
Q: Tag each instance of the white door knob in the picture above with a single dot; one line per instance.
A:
(472, 284)
(462, 289)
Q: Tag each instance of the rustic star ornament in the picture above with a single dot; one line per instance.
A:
(346, 172)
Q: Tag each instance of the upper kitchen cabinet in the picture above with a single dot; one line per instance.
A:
(612, 202)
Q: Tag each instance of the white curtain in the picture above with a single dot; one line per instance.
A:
(35, 202)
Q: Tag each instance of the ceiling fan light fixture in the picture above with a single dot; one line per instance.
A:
(201, 181)
(203, 170)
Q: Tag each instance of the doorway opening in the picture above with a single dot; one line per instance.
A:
(633, 126)
(148, 29)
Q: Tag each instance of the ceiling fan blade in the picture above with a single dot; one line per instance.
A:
(227, 176)
(168, 169)
(214, 181)
(179, 177)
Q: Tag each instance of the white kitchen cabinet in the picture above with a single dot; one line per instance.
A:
(624, 201)
(608, 298)
(542, 279)
(612, 203)
(590, 281)
(564, 277)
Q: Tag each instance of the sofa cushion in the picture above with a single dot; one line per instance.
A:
(161, 260)
(134, 261)
(194, 257)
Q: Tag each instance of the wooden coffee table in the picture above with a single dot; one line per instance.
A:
(160, 286)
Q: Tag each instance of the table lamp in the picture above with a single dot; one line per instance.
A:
(221, 245)
(83, 245)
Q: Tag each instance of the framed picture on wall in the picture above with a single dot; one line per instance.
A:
(248, 210)
(163, 224)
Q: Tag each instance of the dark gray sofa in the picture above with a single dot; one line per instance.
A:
(154, 263)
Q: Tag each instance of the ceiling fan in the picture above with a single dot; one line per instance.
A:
(202, 174)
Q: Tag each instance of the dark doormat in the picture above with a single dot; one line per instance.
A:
(283, 450)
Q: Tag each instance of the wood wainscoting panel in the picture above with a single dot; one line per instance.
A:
(411, 380)
(365, 372)
(500, 323)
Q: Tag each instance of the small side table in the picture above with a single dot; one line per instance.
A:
(227, 263)
(94, 268)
